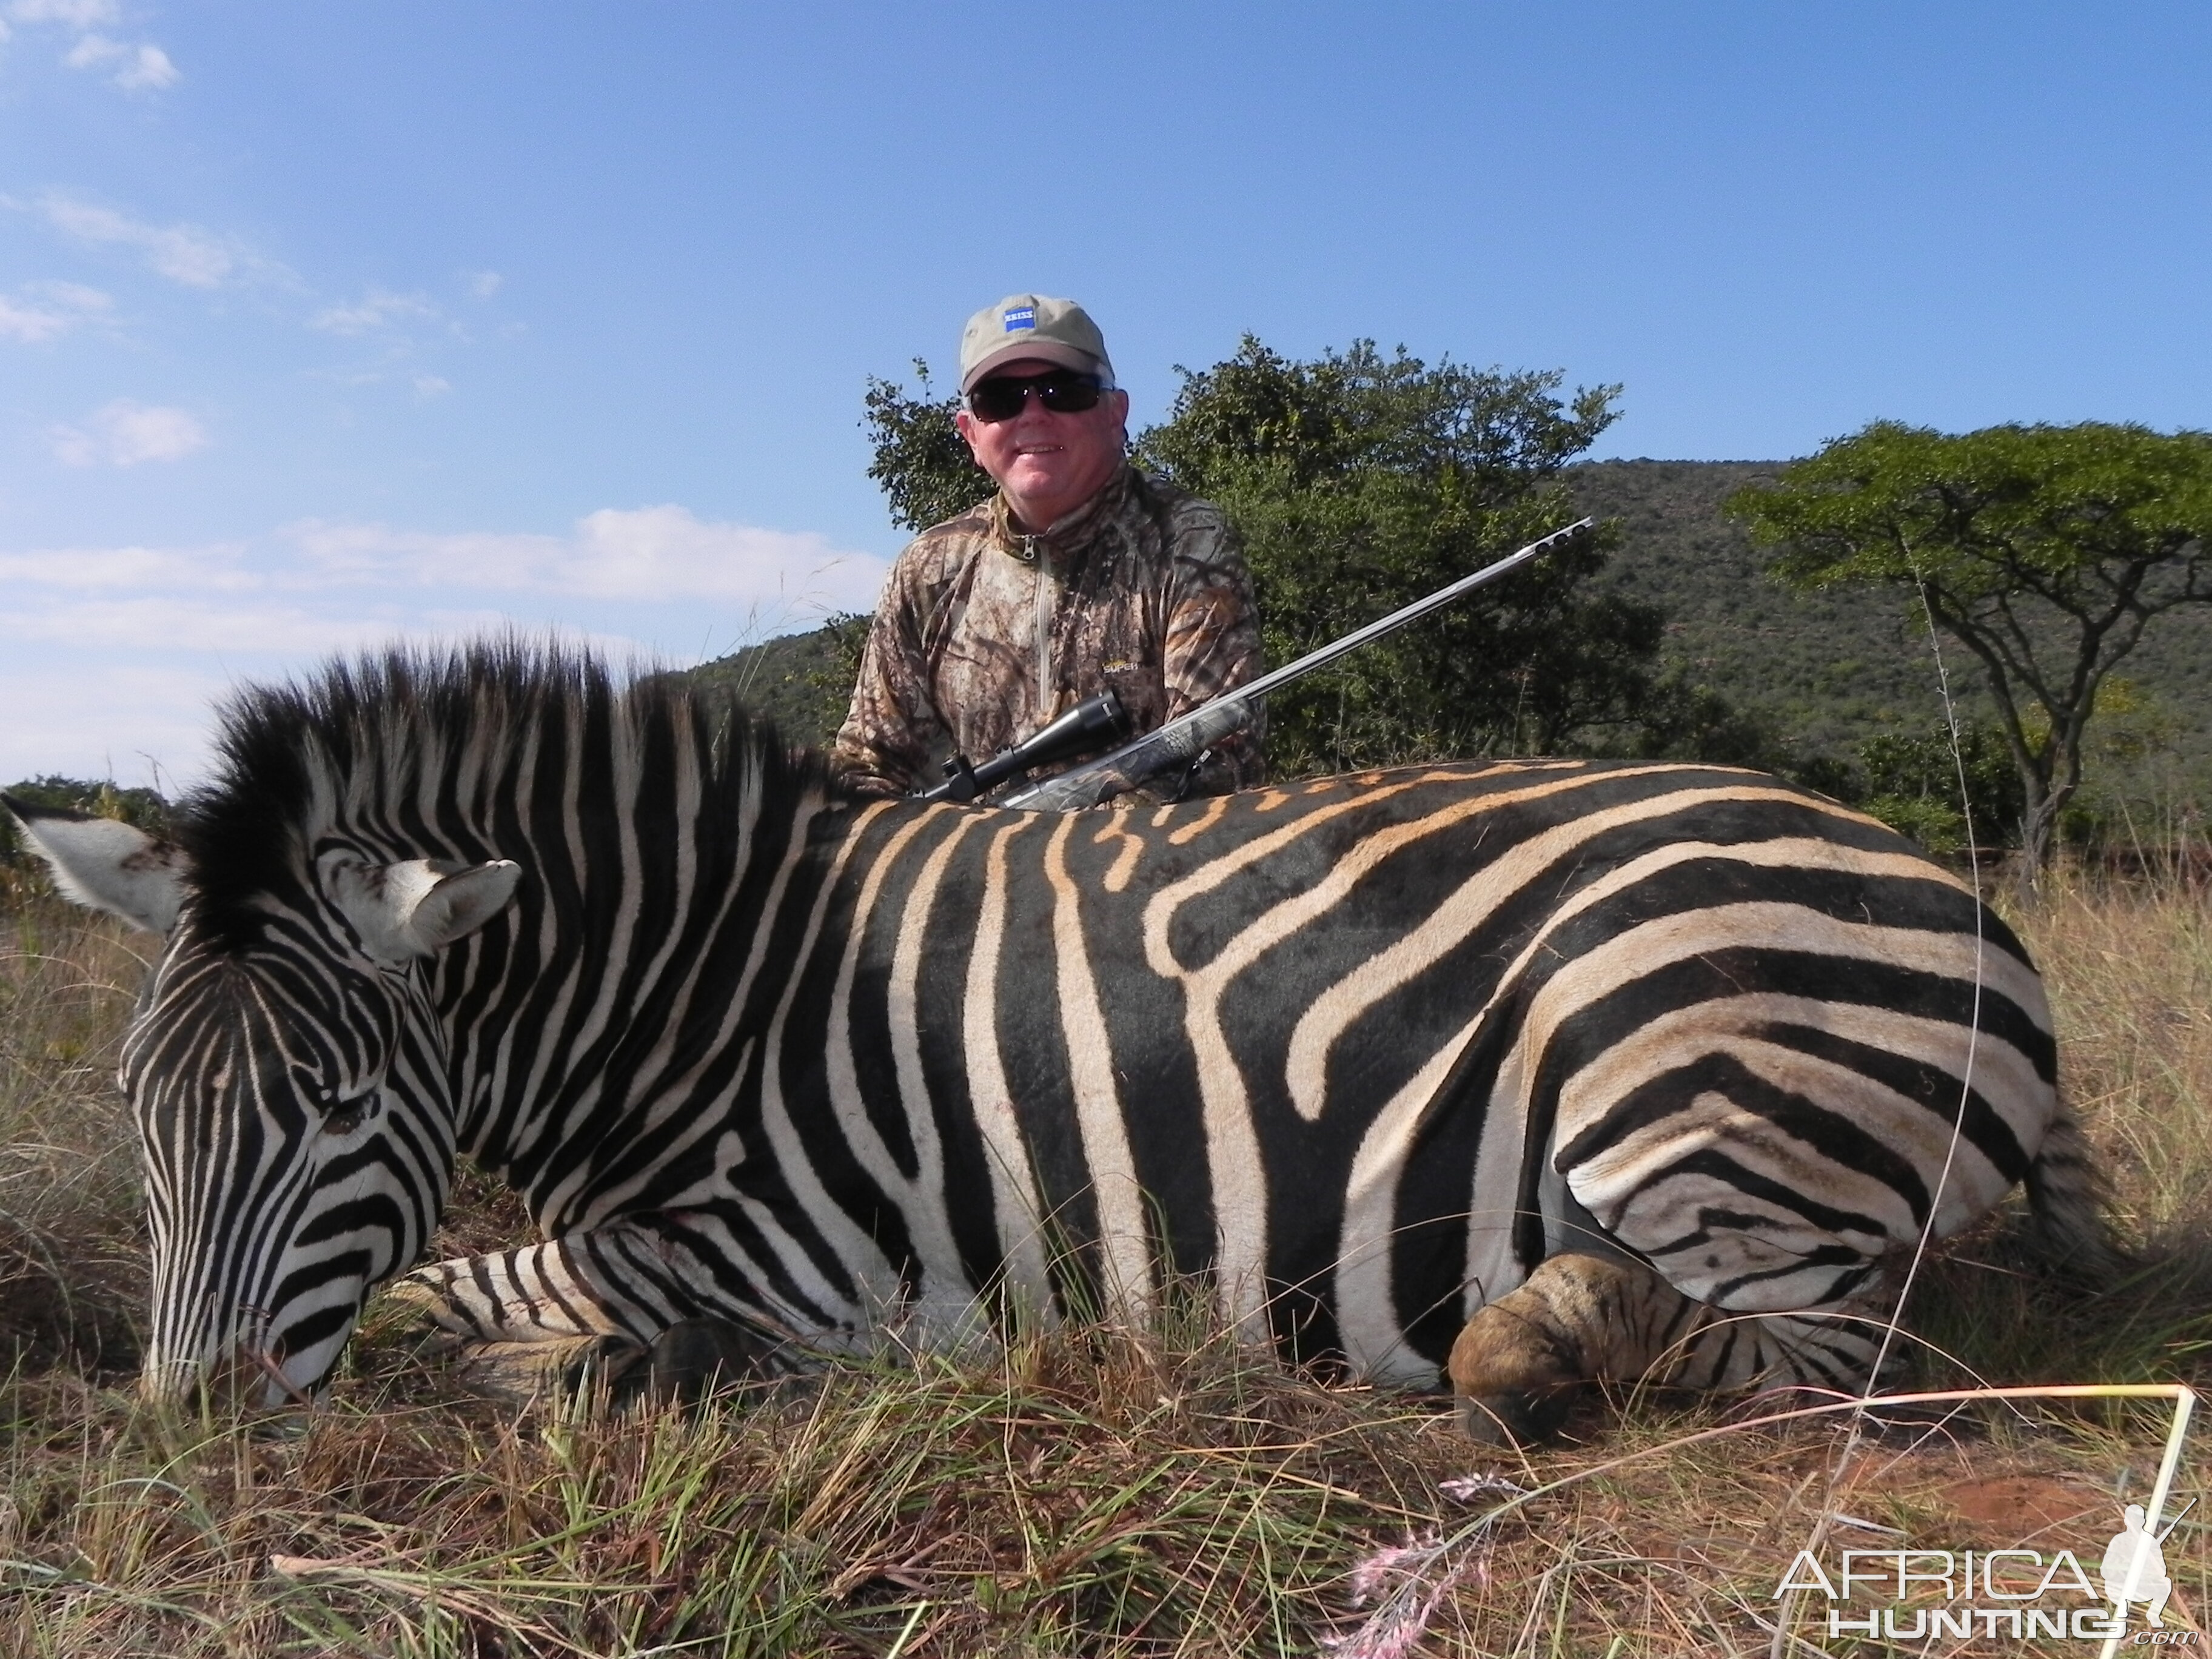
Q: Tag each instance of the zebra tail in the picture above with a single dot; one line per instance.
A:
(2072, 1231)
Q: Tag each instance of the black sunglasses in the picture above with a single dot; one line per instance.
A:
(1062, 390)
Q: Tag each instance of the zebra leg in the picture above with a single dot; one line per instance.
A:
(608, 1305)
(695, 1358)
(492, 1324)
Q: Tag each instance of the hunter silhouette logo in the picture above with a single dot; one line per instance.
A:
(2018, 1593)
(2134, 1567)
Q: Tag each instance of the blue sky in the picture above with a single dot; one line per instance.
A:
(323, 324)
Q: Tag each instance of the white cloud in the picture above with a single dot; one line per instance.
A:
(378, 308)
(125, 433)
(183, 253)
(75, 295)
(139, 67)
(152, 635)
(218, 567)
(72, 446)
(483, 284)
(141, 724)
(376, 555)
(23, 323)
(49, 310)
(427, 386)
(663, 552)
(164, 623)
(650, 554)
(75, 14)
(149, 69)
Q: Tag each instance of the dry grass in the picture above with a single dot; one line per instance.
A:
(1088, 1493)
(2129, 970)
(2130, 974)
(70, 1268)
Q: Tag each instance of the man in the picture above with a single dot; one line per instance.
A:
(1081, 575)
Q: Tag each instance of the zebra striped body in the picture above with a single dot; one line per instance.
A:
(1358, 1054)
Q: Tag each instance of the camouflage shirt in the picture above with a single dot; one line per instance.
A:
(984, 634)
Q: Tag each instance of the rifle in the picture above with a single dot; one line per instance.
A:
(1182, 743)
(2166, 1531)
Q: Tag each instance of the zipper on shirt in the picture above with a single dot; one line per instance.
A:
(1043, 607)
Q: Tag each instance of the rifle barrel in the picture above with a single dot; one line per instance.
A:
(1181, 740)
(2166, 1531)
(1324, 655)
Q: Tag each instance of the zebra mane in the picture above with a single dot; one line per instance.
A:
(378, 735)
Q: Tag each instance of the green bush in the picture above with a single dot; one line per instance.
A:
(1912, 784)
(1936, 827)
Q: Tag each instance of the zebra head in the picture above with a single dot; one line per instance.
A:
(288, 1085)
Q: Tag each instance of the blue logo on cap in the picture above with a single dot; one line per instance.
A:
(1018, 320)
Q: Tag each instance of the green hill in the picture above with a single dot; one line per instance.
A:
(1828, 672)
(802, 682)
(1824, 670)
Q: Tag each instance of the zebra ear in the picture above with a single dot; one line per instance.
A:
(105, 864)
(418, 908)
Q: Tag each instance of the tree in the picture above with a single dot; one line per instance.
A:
(921, 464)
(2046, 551)
(1913, 778)
(1361, 481)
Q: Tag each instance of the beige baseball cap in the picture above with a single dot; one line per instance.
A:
(1032, 325)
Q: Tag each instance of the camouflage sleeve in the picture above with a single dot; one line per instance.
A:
(1213, 644)
(883, 746)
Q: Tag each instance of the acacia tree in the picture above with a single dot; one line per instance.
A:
(2046, 551)
(1360, 482)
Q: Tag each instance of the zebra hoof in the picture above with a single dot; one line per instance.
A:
(1517, 1420)
(1516, 1379)
(696, 1359)
(518, 1373)
(1521, 1362)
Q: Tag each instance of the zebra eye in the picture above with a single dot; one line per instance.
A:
(349, 1115)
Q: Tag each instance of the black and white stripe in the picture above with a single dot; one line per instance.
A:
(1358, 1053)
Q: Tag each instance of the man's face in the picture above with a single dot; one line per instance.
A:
(1047, 464)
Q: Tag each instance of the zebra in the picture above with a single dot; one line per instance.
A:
(1523, 1073)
